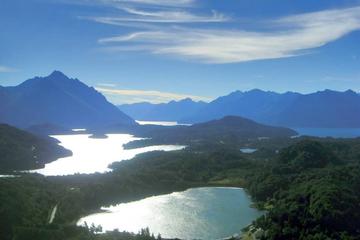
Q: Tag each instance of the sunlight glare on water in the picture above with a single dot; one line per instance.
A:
(198, 213)
(92, 155)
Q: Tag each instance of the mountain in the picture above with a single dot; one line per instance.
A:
(20, 150)
(57, 100)
(256, 104)
(171, 111)
(327, 109)
(228, 130)
(238, 126)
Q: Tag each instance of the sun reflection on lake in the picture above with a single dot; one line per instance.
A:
(92, 155)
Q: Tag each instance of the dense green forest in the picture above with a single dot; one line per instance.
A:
(311, 191)
(21, 150)
(308, 186)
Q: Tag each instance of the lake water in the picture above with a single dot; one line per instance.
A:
(198, 213)
(330, 132)
(92, 155)
(161, 123)
(248, 150)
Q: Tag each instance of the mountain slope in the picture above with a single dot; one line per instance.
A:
(59, 100)
(256, 104)
(323, 109)
(20, 150)
(238, 126)
(228, 130)
(171, 111)
(328, 109)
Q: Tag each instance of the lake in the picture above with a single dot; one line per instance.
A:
(161, 123)
(198, 213)
(330, 132)
(248, 150)
(92, 155)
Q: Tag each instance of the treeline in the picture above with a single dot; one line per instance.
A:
(26, 202)
(20, 150)
(311, 191)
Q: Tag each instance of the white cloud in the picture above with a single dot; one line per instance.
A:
(150, 3)
(168, 16)
(118, 96)
(155, 2)
(289, 36)
(159, 2)
(4, 69)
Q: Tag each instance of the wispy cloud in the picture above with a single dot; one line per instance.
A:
(173, 3)
(151, 3)
(4, 69)
(118, 96)
(168, 16)
(289, 36)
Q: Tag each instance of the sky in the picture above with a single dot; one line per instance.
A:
(162, 50)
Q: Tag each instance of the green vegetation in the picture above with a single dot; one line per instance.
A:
(310, 189)
(313, 189)
(21, 150)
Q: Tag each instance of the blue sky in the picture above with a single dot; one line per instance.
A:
(158, 50)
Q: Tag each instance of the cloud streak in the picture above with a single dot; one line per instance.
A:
(149, 3)
(160, 17)
(172, 3)
(131, 96)
(289, 36)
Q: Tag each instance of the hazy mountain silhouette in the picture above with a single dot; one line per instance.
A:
(321, 109)
(326, 109)
(171, 111)
(58, 100)
(257, 105)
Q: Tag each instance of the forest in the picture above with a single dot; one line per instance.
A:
(308, 187)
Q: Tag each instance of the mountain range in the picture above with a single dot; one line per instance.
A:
(322, 109)
(65, 103)
(171, 111)
(59, 101)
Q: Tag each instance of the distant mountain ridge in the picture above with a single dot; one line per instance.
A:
(58, 100)
(171, 111)
(322, 109)
(258, 105)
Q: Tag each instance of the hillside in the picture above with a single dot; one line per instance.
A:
(228, 130)
(57, 100)
(20, 150)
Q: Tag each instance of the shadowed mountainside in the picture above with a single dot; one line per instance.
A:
(57, 100)
(21, 150)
